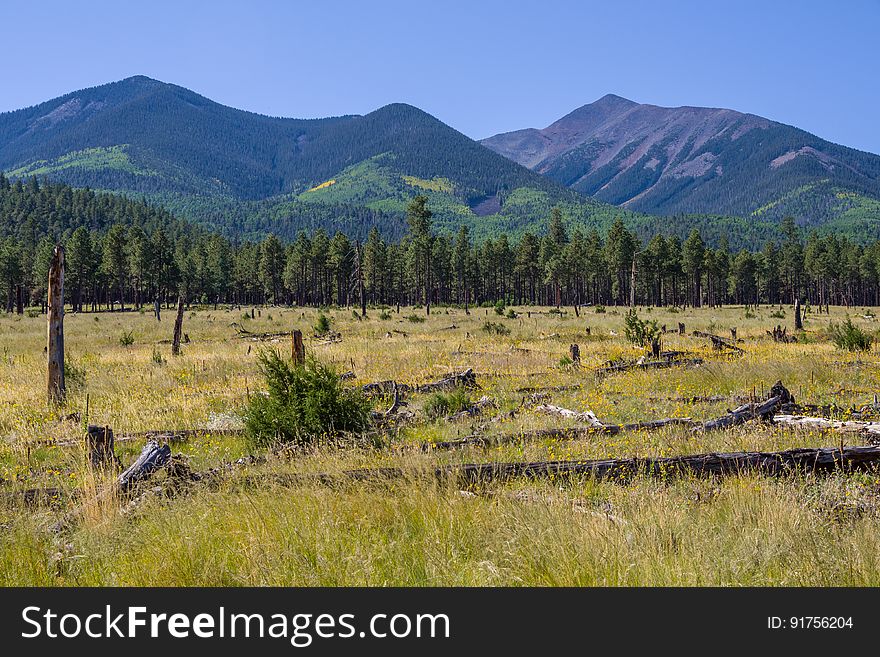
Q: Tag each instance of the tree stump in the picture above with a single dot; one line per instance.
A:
(157, 310)
(100, 446)
(55, 348)
(178, 326)
(681, 328)
(575, 354)
(733, 334)
(298, 350)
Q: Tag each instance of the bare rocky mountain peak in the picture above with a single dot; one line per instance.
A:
(676, 159)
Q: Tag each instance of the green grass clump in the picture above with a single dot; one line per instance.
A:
(126, 339)
(415, 319)
(849, 337)
(441, 404)
(305, 403)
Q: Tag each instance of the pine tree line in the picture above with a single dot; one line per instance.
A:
(122, 253)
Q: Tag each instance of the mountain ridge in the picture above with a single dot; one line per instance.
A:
(667, 160)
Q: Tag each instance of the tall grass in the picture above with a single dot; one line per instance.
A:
(738, 531)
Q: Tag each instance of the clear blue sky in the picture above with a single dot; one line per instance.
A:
(480, 66)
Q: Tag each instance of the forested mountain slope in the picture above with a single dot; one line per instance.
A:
(233, 168)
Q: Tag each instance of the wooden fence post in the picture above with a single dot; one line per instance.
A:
(178, 326)
(681, 328)
(55, 307)
(298, 350)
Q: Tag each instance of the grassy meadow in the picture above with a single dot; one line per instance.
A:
(254, 529)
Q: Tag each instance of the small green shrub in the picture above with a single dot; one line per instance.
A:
(778, 314)
(33, 312)
(640, 332)
(157, 357)
(415, 319)
(322, 326)
(511, 314)
(305, 403)
(565, 362)
(499, 307)
(494, 328)
(126, 339)
(749, 314)
(384, 315)
(599, 310)
(849, 337)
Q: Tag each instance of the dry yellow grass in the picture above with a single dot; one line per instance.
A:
(748, 530)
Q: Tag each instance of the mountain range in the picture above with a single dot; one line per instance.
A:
(246, 174)
(663, 160)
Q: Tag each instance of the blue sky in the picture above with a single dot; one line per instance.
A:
(480, 66)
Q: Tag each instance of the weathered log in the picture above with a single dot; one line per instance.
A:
(717, 341)
(474, 410)
(804, 461)
(178, 327)
(55, 315)
(551, 388)
(585, 417)
(555, 433)
(245, 334)
(466, 379)
(764, 410)
(647, 365)
(823, 424)
(151, 459)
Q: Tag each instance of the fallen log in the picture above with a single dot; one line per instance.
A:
(717, 341)
(647, 365)
(551, 388)
(160, 435)
(764, 410)
(824, 424)
(466, 379)
(802, 460)
(556, 433)
(585, 417)
(151, 459)
(250, 335)
(474, 410)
